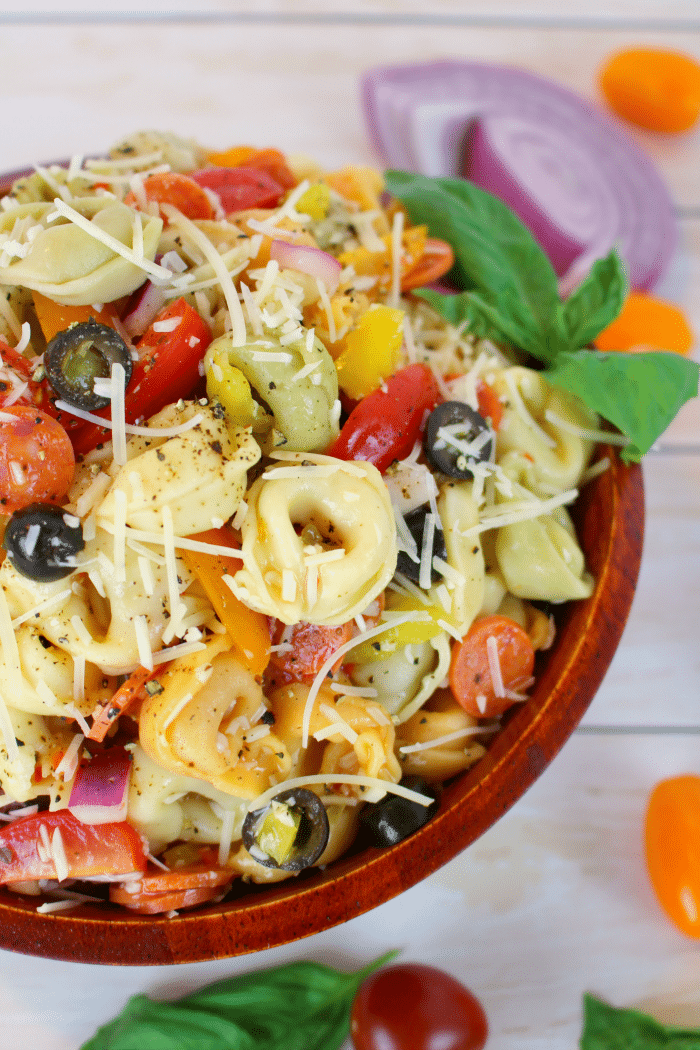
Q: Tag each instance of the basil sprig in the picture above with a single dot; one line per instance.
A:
(299, 1006)
(608, 1028)
(511, 296)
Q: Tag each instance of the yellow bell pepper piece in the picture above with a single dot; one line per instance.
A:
(371, 351)
(227, 385)
(247, 628)
(405, 634)
(315, 201)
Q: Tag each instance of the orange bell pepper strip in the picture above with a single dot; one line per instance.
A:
(55, 317)
(126, 696)
(247, 628)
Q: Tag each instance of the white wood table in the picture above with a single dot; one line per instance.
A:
(553, 901)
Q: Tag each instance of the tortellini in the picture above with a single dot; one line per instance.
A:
(198, 725)
(318, 541)
(298, 380)
(540, 557)
(200, 475)
(75, 268)
(557, 456)
(458, 513)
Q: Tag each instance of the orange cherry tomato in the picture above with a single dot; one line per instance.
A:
(437, 259)
(672, 841)
(645, 321)
(470, 676)
(36, 459)
(654, 88)
(171, 187)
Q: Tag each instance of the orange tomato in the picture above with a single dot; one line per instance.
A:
(653, 88)
(645, 322)
(181, 191)
(672, 841)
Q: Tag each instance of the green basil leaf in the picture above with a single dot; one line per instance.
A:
(608, 1028)
(495, 253)
(640, 394)
(300, 1006)
(596, 302)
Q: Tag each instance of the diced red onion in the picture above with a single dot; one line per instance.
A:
(573, 176)
(306, 259)
(100, 789)
(146, 304)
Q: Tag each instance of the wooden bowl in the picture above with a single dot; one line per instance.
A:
(610, 520)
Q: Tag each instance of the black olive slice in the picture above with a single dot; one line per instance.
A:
(42, 542)
(394, 817)
(473, 439)
(290, 832)
(415, 520)
(78, 356)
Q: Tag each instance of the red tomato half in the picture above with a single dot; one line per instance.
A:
(167, 370)
(241, 188)
(409, 1006)
(90, 849)
(385, 425)
(36, 459)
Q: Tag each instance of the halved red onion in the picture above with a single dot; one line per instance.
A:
(306, 259)
(100, 789)
(572, 175)
(146, 303)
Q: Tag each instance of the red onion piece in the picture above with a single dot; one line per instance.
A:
(573, 176)
(306, 259)
(145, 304)
(100, 789)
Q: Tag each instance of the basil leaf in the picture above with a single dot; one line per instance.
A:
(608, 1028)
(596, 302)
(638, 393)
(300, 1006)
(495, 253)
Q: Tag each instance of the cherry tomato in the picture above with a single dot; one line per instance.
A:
(672, 839)
(437, 259)
(90, 849)
(385, 425)
(171, 187)
(470, 676)
(168, 369)
(409, 1006)
(241, 188)
(653, 87)
(36, 459)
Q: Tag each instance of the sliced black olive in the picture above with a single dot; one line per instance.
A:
(290, 832)
(415, 520)
(75, 358)
(394, 818)
(42, 542)
(466, 426)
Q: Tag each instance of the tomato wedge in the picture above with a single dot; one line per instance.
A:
(171, 187)
(36, 459)
(241, 188)
(437, 259)
(471, 679)
(168, 369)
(385, 425)
(90, 849)
(171, 890)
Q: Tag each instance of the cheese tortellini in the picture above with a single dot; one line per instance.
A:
(318, 541)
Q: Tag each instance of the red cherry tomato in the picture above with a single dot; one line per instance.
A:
(241, 188)
(409, 1006)
(672, 839)
(384, 426)
(36, 459)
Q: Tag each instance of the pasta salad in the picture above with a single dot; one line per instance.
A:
(280, 541)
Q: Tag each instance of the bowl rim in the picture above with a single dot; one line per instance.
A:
(609, 513)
